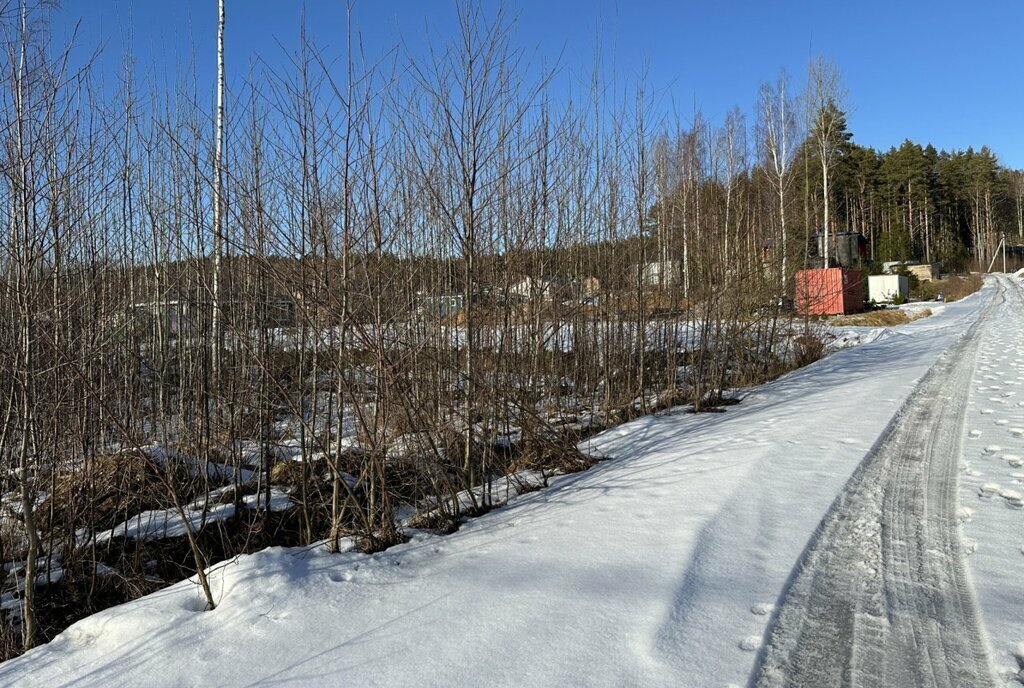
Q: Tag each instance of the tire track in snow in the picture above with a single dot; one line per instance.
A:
(882, 598)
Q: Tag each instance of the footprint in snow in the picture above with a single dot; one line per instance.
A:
(987, 411)
(975, 433)
(1013, 498)
(1014, 460)
(82, 637)
(993, 448)
(1002, 421)
(987, 490)
(762, 608)
(194, 604)
(752, 643)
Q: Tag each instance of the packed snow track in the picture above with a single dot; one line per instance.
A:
(881, 597)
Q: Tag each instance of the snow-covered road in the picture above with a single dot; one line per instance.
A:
(882, 597)
(662, 566)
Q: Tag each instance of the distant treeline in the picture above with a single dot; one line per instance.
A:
(918, 203)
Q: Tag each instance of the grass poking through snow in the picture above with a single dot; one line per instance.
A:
(883, 318)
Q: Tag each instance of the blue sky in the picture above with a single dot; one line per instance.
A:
(942, 72)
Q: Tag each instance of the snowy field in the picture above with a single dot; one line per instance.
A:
(661, 566)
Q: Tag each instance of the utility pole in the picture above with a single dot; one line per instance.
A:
(1001, 245)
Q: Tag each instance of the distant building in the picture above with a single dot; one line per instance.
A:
(663, 273)
(540, 289)
(888, 288)
(438, 305)
(588, 286)
(829, 291)
(846, 249)
(170, 317)
(925, 272)
(177, 317)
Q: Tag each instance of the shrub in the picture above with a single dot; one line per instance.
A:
(807, 348)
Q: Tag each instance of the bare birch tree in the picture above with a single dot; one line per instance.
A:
(777, 126)
(825, 95)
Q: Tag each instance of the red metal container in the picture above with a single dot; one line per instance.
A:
(829, 291)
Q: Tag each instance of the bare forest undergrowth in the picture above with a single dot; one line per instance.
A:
(87, 566)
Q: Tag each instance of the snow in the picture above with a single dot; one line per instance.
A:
(993, 487)
(848, 337)
(167, 523)
(662, 565)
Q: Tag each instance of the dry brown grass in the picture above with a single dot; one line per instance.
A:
(112, 488)
(953, 287)
(559, 455)
(886, 318)
(882, 318)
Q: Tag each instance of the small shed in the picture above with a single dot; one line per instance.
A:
(925, 272)
(888, 288)
(847, 249)
(829, 291)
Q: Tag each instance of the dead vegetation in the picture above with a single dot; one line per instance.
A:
(952, 287)
(807, 348)
(109, 488)
(325, 320)
(888, 317)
